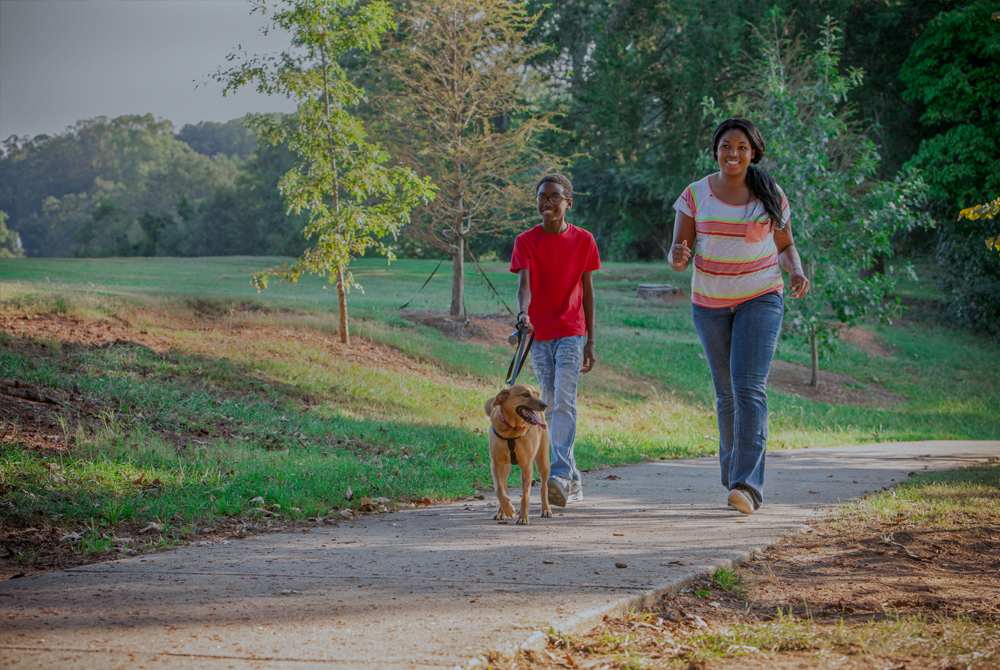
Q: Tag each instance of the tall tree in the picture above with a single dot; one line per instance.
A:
(342, 180)
(842, 216)
(457, 99)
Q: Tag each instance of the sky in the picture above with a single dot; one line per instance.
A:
(62, 61)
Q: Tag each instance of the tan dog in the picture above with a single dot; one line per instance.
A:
(514, 422)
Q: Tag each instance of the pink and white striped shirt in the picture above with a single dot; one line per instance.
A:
(735, 258)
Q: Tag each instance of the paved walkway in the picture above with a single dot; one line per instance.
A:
(432, 587)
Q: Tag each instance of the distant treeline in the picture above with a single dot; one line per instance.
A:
(130, 187)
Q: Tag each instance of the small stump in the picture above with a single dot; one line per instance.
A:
(657, 291)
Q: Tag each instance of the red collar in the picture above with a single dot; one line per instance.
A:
(527, 425)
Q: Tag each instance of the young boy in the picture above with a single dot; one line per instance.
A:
(555, 296)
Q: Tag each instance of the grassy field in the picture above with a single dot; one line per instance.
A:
(251, 399)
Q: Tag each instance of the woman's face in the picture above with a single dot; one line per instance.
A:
(734, 153)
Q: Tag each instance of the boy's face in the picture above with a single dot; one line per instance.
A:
(552, 202)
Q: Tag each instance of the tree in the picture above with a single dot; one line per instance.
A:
(457, 100)
(987, 210)
(842, 217)
(342, 180)
(10, 241)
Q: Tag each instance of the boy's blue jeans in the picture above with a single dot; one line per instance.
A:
(739, 343)
(557, 366)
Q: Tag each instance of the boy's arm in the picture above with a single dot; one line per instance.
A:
(589, 355)
(524, 297)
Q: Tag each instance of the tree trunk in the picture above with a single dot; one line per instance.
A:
(345, 337)
(814, 357)
(458, 280)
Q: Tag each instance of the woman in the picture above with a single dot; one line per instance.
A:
(736, 222)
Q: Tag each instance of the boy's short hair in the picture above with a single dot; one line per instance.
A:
(562, 180)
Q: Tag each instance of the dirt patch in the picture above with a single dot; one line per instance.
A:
(833, 389)
(868, 341)
(489, 329)
(85, 332)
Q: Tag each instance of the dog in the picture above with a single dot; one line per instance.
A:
(518, 436)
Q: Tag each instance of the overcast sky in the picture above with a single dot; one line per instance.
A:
(66, 60)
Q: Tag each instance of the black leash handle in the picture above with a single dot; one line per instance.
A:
(523, 347)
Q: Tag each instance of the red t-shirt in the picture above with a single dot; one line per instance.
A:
(556, 264)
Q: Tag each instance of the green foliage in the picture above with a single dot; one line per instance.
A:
(952, 70)
(353, 198)
(232, 138)
(52, 185)
(10, 241)
(843, 219)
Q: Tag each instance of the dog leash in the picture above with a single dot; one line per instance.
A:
(523, 347)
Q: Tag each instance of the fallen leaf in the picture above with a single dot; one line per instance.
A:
(382, 501)
(426, 502)
(547, 562)
(714, 604)
(258, 499)
(815, 493)
(152, 525)
(348, 494)
(618, 534)
(612, 477)
(621, 565)
(346, 513)
(71, 537)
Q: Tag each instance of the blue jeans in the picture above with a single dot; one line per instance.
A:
(739, 343)
(557, 366)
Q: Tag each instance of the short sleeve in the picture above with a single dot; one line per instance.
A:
(593, 257)
(786, 212)
(520, 259)
(687, 204)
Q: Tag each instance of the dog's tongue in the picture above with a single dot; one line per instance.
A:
(532, 418)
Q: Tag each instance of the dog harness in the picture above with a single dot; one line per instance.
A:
(511, 443)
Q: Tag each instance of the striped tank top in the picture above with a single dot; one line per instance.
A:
(735, 258)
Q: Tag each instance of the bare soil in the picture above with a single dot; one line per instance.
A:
(489, 329)
(833, 389)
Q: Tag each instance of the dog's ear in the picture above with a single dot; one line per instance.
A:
(500, 397)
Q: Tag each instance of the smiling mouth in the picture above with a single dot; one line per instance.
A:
(529, 416)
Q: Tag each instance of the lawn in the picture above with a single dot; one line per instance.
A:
(250, 398)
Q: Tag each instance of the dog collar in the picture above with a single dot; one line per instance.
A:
(527, 425)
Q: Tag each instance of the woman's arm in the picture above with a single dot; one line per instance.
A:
(684, 239)
(788, 258)
(589, 354)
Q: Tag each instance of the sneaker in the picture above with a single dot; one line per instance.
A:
(575, 491)
(560, 490)
(742, 501)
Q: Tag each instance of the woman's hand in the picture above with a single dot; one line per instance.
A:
(799, 285)
(680, 254)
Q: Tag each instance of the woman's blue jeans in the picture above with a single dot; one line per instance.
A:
(557, 366)
(739, 343)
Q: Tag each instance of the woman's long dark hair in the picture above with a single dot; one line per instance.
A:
(761, 184)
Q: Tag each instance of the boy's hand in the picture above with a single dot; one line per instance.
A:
(589, 357)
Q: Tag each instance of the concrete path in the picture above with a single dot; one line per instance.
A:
(433, 587)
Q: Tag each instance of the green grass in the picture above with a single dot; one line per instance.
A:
(220, 421)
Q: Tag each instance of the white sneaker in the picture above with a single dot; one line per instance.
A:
(741, 501)
(575, 491)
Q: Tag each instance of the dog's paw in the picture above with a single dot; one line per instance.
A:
(499, 516)
(546, 513)
(522, 521)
